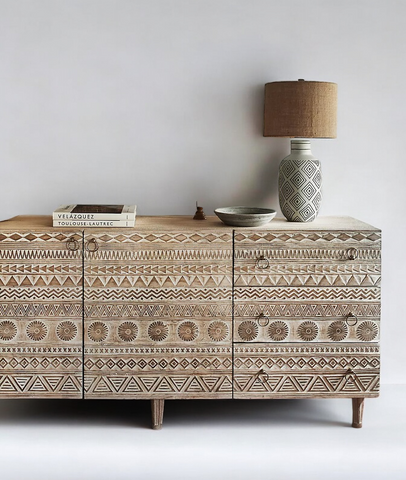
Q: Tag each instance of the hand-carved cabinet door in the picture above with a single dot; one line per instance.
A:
(158, 314)
(40, 314)
(309, 303)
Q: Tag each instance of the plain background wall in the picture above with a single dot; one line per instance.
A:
(160, 102)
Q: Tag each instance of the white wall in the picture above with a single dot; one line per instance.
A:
(159, 103)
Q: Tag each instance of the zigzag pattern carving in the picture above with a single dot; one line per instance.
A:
(41, 254)
(196, 386)
(293, 310)
(159, 294)
(45, 385)
(313, 294)
(316, 254)
(301, 236)
(157, 255)
(292, 385)
(59, 294)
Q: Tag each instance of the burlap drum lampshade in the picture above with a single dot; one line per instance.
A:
(305, 110)
(300, 109)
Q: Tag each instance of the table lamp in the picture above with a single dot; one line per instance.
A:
(306, 110)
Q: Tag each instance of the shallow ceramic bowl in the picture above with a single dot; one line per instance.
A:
(245, 216)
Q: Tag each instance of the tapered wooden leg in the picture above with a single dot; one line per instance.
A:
(157, 410)
(357, 412)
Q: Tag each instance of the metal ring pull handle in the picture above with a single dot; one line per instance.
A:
(262, 262)
(351, 318)
(72, 244)
(352, 253)
(262, 320)
(262, 376)
(92, 245)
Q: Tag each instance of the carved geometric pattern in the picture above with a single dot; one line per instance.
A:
(306, 310)
(97, 331)
(248, 331)
(218, 331)
(37, 386)
(314, 385)
(171, 372)
(338, 331)
(309, 293)
(36, 330)
(55, 310)
(164, 385)
(265, 371)
(188, 331)
(128, 331)
(145, 309)
(367, 331)
(158, 331)
(316, 236)
(8, 330)
(141, 294)
(295, 330)
(164, 238)
(66, 330)
(278, 331)
(302, 254)
(308, 331)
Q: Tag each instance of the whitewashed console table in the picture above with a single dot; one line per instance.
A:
(177, 308)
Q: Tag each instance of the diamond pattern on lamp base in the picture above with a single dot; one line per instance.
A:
(300, 189)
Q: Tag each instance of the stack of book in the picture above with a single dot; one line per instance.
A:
(94, 216)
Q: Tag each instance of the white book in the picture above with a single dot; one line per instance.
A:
(95, 212)
(94, 223)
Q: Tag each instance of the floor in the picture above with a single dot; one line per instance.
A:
(251, 439)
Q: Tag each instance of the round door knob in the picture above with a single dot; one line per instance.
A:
(262, 262)
(351, 319)
(352, 253)
(262, 376)
(92, 245)
(72, 244)
(262, 320)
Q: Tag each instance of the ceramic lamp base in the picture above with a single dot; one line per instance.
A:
(300, 183)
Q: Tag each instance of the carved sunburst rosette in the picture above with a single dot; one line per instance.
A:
(218, 331)
(66, 331)
(248, 330)
(308, 331)
(188, 331)
(278, 331)
(127, 331)
(337, 331)
(36, 330)
(158, 331)
(8, 330)
(367, 331)
(97, 331)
